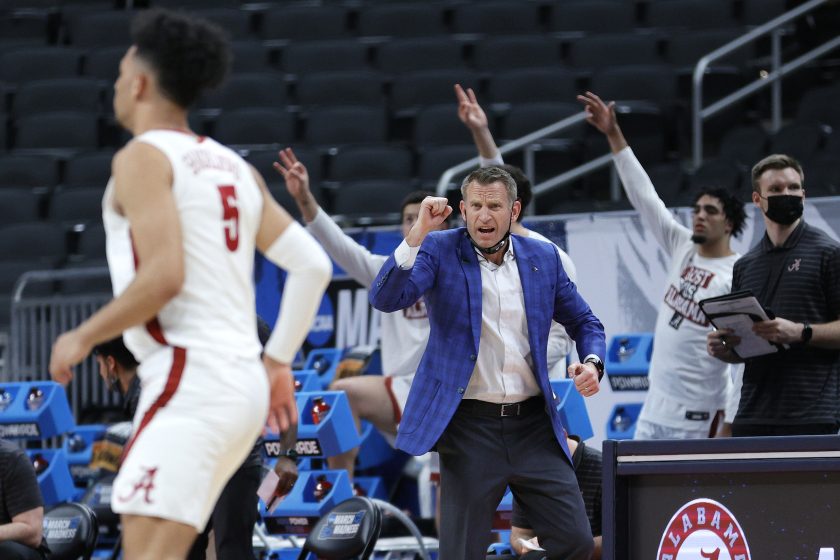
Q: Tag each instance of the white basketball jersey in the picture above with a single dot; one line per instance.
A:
(220, 205)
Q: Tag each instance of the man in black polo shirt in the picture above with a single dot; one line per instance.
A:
(795, 273)
(21, 507)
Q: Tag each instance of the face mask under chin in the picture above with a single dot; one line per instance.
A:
(784, 209)
(493, 249)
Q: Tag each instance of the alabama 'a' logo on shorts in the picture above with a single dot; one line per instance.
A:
(703, 529)
(145, 484)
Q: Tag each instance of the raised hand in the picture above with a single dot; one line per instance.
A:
(433, 212)
(469, 111)
(294, 173)
(599, 114)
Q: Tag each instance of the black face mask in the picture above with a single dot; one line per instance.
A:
(114, 385)
(493, 249)
(784, 209)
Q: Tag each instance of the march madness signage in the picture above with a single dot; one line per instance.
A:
(703, 529)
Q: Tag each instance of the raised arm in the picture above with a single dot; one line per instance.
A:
(143, 193)
(359, 263)
(474, 118)
(285, 243)
(400, 283)
(638, 186)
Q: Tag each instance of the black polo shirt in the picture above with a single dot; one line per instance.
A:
(19, 491)
(798, 281)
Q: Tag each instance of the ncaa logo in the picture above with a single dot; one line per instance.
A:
(324, 324)
(703, 529)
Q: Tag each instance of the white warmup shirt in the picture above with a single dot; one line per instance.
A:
(689, 385)
(404, 333)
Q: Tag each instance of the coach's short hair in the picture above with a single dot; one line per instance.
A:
(487, 176)
(188, 55)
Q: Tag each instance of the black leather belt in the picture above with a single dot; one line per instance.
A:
(507, 410)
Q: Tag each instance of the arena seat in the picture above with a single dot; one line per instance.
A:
(88, 170)
(404, 20)
(439, 125)
(308, 57)
(62, 94)
(414, 90)
(528, 85)
(340, 125)
(388, 161)
(39, 63)
(350, 87)
(255, 126)
(496, 17)
(60, 130)
(509, 52)
(426, 53)
(304, 23)
(690, 14)
(614, 49)
(592, 16)
(255, 90)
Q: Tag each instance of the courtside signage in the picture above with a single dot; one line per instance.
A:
(702, 529)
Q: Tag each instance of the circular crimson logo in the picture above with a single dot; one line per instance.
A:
(703, 529)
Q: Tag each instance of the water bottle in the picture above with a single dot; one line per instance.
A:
(35, 398)
(624, 349)
(5, 399)
(298, 385)
(76, 443)
(321, 364)
(358, 490)
(319, 409)
(322, 487)
(40, 463)
(621, 420)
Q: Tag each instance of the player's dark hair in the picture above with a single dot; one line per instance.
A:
(188, 55)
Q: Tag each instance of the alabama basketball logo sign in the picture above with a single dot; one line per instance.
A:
(703, 529)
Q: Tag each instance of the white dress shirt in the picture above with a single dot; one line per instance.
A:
(504, 369)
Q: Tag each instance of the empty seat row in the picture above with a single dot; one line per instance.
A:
(307, 22)
(403, 55)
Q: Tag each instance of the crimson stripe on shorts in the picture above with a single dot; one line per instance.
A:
(179, 359)
(389, 381)
(153, 326)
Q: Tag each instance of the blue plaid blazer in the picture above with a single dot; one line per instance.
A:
(446, 272)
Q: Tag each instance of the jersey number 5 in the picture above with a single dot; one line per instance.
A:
(230, 216)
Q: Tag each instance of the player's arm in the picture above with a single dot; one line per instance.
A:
(637, 184)
(359, 263)
(285, 243)
(474, 118)
(143, 194)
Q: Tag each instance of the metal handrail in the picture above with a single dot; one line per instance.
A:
(511, 146)
(699, 114)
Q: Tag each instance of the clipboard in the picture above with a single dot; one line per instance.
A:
(738, 311)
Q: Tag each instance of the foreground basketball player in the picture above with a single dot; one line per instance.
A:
(183, 216)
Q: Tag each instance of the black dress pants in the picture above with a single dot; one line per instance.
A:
(481, 453)
(233, 517)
